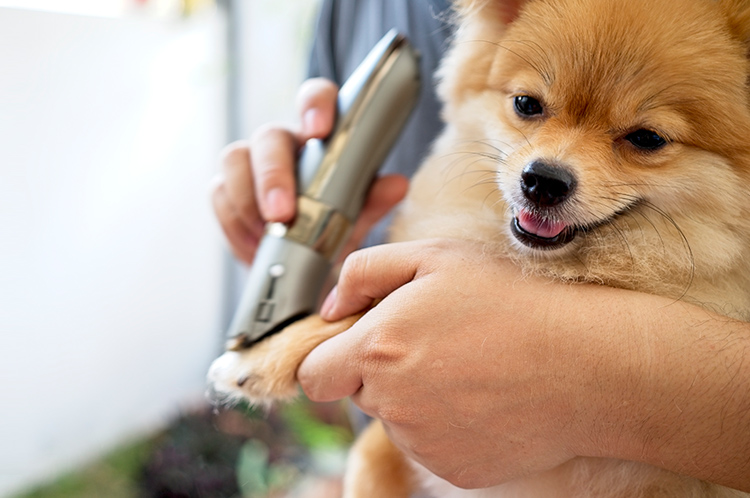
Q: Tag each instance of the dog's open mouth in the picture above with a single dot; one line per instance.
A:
(541, 233)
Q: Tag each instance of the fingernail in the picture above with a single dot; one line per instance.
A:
(313, 121)
(327, 308)
(276, 204)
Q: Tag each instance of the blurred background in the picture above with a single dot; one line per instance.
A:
(115, 283)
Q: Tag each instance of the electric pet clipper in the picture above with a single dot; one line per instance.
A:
(293, 261)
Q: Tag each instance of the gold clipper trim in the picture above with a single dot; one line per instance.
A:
(317, 226)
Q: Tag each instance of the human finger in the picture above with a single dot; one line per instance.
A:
(242, 241)
(331, 370)
(371, 274)
(273, 152)
(237, 186)
(316, 105)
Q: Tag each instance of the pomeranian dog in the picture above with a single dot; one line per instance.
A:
(604, 141)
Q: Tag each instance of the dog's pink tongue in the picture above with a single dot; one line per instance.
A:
(540, 227)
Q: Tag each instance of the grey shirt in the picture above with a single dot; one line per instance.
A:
(348, 29)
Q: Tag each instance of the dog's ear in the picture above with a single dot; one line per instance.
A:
(505, 11)
(467, 64)
(737, 13)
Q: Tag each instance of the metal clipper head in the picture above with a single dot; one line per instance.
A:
(294, 260)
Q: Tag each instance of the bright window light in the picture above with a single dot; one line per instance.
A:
(108, 8)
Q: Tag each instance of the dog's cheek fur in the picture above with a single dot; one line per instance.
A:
(706, 198)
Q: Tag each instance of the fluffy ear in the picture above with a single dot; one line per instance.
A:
(737, 13)
(467, 64)
(505, 11)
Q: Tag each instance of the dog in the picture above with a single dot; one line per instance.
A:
(599, 141)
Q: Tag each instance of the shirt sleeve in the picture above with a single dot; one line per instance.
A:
(322, 63)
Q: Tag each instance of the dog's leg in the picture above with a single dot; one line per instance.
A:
(377, 468)
(267, 371)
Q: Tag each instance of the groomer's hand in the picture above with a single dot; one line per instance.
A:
(483, 374)
(257, 182)
(432, 361)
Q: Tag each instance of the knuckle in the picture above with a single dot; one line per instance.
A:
(383, 351)
(435, 247)
(385, 359)
(349, 263)
(317, 93)
(234, 152)
(313, 87)
(354, 267)
(307, 88)
(397, 415)
(270, 176)
(401, 416)
(220, 203)
(217, 203)
(245, 210)
(267, 132)
(217, 186)
(433, 253)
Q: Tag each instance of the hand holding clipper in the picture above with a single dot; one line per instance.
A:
(333, 178)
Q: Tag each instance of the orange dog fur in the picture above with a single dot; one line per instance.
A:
(645, 107)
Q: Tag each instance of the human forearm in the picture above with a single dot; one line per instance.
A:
(676, 392)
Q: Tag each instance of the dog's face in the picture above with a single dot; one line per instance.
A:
(607, 120)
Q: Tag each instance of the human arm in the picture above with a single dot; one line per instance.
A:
(483, 374)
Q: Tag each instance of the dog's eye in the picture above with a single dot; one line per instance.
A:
(646, 139)
(527, 106)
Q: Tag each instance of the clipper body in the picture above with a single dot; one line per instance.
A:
(293, 260)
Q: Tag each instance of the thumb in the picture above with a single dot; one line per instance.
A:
(371, 274)
(331, 371)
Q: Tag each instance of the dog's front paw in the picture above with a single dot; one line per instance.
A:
(267, 371)
(260, 375)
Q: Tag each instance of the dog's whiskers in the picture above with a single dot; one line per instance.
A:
(634, 208)
(685, 241)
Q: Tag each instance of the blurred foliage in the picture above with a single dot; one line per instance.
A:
(311, 432)
(114, 476)
(240, 453)
(191, 459)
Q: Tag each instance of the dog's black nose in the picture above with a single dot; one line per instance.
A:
(546, 185)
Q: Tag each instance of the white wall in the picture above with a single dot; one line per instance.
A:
(110, 261)
(274, 53)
